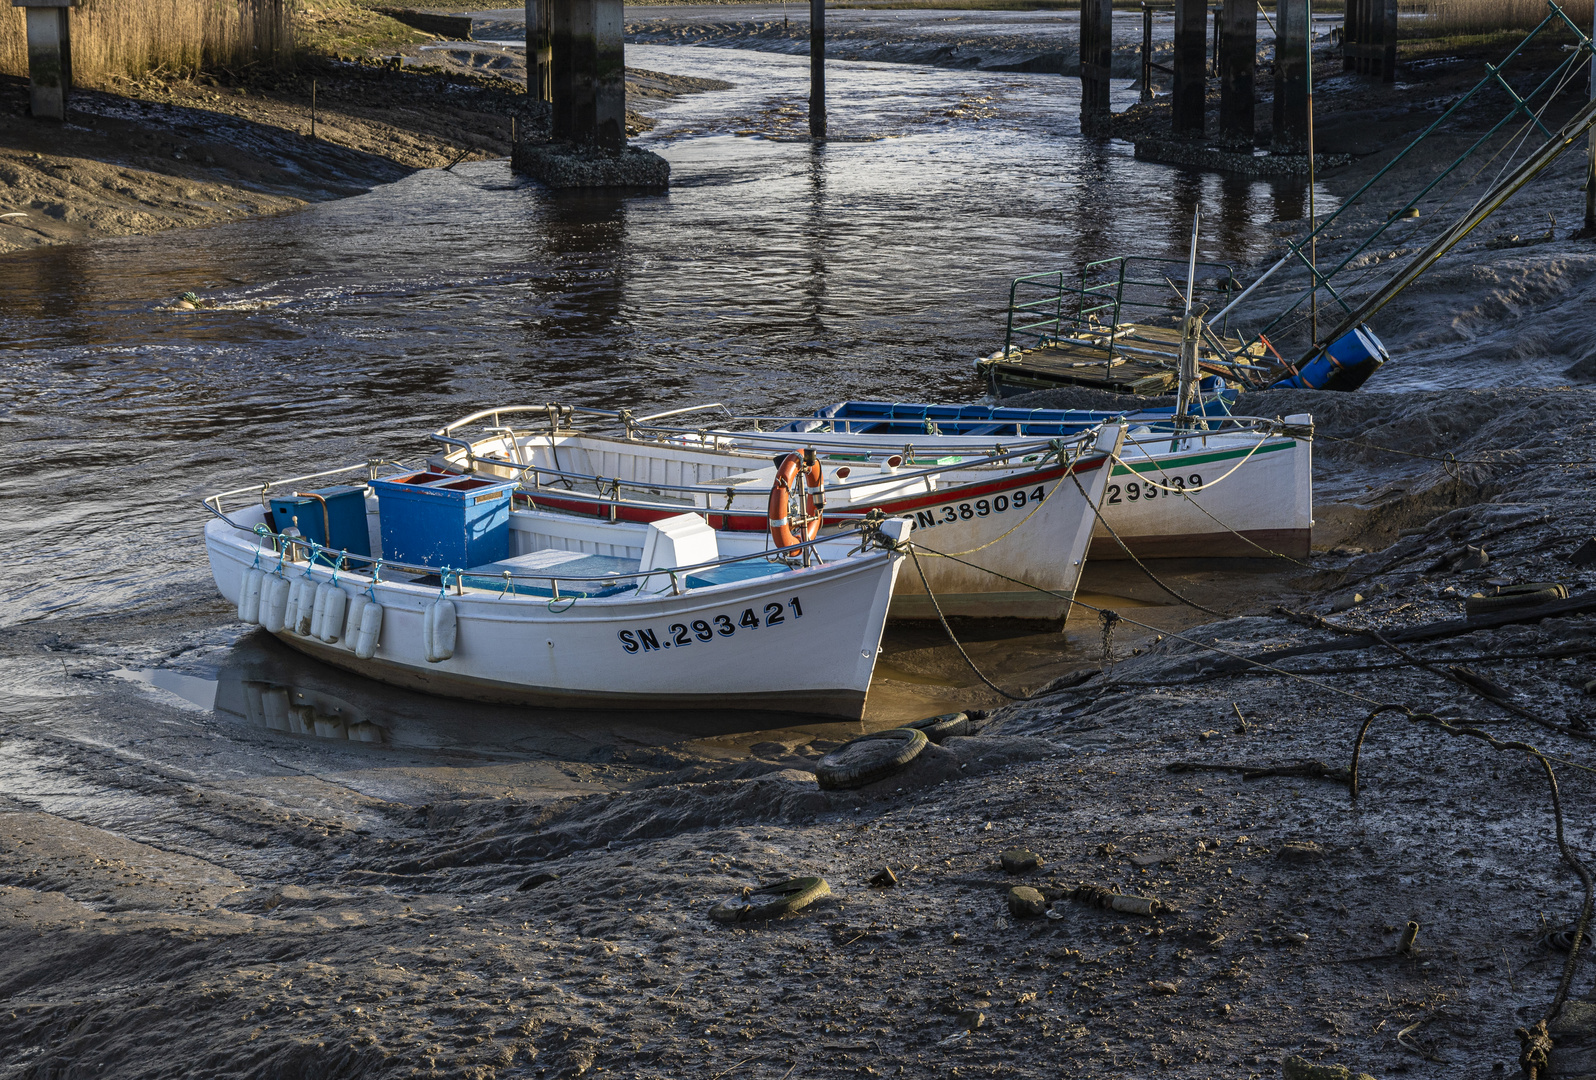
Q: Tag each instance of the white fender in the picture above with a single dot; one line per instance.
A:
(370, 634)
(318, 609)
(291, 612)
(438, 630)
(249, 595)
(307, 606)
(351, 628)
(274, 604)
(330, 601)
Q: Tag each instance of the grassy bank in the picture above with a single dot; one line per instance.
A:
(1487, 16)
(132, 37)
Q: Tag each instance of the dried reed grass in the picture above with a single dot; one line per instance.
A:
(1485, 16)
(136, 37)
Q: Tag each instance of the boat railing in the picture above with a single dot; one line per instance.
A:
(288, 547)
(757, 435)
(261, 490)
(609, 487)
(1215, 423)
(554, 411)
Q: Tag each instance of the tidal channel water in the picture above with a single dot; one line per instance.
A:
(775, 274)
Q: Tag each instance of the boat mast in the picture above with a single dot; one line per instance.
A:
(1188, 334)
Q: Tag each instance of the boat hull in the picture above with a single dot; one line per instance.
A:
(805, 641)
(1239, 501)
(1235, 493)
(1017, 536)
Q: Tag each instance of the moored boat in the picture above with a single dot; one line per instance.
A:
(1208, 485)
(1003, 531)
(437, 582)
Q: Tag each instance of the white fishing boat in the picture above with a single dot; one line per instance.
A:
(1212, 486)
(1001, 532)
(438, 582)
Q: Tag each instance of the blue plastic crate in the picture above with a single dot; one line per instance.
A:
(442, 520)
(340, 524)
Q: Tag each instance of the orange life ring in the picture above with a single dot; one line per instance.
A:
(787, 471)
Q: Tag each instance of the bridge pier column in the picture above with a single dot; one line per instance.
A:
(1097, 57)
(49, 56)
(539, 50)
(817, 69)
(1191, 67)
(1238, 58)
(1291, 77)
(587, 84)
(588, 73)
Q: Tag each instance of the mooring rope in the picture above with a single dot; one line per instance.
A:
(1440, 724)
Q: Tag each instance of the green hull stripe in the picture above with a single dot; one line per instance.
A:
(1186, 461)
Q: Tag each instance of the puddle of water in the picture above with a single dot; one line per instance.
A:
(194, 691)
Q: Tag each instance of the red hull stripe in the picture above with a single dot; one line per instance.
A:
(598, 506)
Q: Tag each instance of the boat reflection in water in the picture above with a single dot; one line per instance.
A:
(296, 711)
(268, 687)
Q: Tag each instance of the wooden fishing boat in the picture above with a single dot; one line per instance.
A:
(438, 582)
(1210, 485)
(1002, 532)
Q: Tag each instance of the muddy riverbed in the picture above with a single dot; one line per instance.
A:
(218, 857)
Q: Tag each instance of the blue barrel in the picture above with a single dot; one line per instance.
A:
(1344, 364)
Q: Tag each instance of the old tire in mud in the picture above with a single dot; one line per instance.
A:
(1512, 596)
(869, 758)
(937, 728)
(771, 901)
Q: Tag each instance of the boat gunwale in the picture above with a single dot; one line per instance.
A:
(492, 606)
(1083, 446)
(377, 563)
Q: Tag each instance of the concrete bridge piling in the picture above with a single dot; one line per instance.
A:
(1238, 60)
(588, 73)
(1097, 55)
(539, 50)
(817, 69)
(586, 80)
(1191, 67)
(1291, 77)
(1369, 38)
(49, 56)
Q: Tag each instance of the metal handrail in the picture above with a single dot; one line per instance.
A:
(679, 412)
(548, 408)
(1056, 289)
(262, 488)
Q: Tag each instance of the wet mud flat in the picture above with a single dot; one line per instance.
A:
(183, 887)
(164, 153)
(1030, 41)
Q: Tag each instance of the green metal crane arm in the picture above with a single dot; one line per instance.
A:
(1549, 152)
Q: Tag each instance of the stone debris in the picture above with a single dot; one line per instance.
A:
(1019, 861)
(1300, 851)
(1298, 1068)
(1026, 902)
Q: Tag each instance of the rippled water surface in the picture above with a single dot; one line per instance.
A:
(774, 275)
